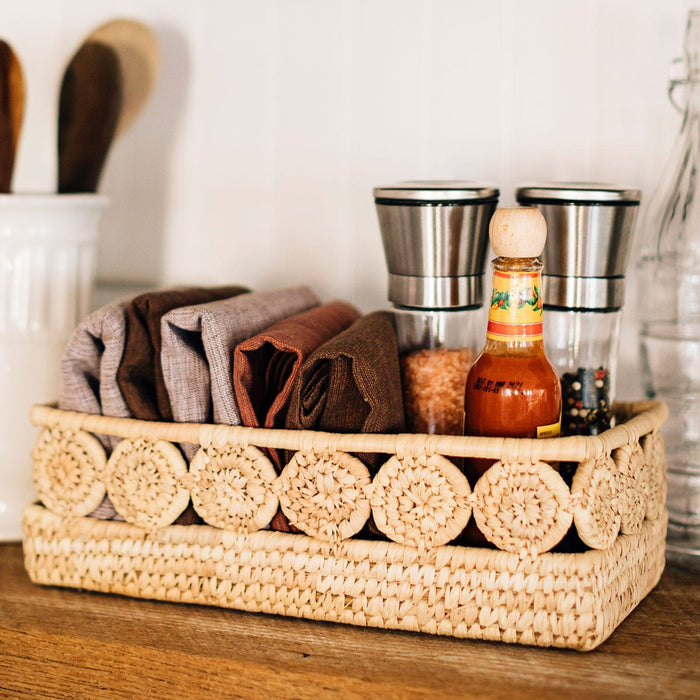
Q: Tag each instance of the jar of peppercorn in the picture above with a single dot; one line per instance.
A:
(590, 229)
(435, 236)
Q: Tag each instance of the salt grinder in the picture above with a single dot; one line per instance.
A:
(435, 236)
(590, 228)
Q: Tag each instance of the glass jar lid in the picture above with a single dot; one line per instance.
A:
(435, 192)
(577, 193)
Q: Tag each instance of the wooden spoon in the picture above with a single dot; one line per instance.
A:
(89, 108)
(139, 56)
(11, 112)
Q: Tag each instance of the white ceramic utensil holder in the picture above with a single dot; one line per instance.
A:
(47, 269)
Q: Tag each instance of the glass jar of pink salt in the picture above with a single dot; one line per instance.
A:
(435, 236)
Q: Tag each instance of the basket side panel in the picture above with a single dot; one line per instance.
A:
(573, 601)
(634, 567)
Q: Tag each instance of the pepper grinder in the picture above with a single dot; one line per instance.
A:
(590, 228)
(435, 236)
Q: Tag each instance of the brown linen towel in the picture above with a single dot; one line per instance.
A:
(266, 365)
(198, 347)
(140, 376)
(352, 384)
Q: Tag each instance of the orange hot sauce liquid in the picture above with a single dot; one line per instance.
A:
(528, 396)
(512, 389)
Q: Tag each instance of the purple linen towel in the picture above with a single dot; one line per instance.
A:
(198, 344)
(89, 374)
(90, 362)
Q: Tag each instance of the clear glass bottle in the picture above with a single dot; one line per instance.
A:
(435, 241)
(512, 389)
(669, 296)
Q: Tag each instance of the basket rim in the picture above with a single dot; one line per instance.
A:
(647, 416)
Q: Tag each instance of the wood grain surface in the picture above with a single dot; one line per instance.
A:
(61, 643)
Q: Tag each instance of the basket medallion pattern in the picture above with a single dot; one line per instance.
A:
(595, 491)
(325, 495)
(420, 501)
(416, 580)
(145, 482)
(522, 507)
(630, 463)
(655, 486)
(67, 469)
(231, 487)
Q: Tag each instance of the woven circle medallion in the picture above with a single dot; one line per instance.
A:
(655, 486)
(325, 496)
(231, 487)
(522, 508)
(144, 482)
(630, 463)
(67, 469)
(420, 501)
(596, 484)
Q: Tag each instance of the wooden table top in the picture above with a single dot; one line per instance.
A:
(65, 643)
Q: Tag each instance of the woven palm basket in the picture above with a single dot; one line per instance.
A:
(414, 579)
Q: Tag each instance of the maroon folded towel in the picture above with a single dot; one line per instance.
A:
(140, 376)
(266, 365)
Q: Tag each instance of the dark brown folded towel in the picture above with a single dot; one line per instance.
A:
(140, 376)
(352, 383)
(266, 365)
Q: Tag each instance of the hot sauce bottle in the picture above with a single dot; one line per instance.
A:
(512, 389)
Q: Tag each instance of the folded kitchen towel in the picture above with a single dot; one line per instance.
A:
(352, 384)
(89, 375)
(198, 348)
(140, 376)
(90, 362)
(266, 365)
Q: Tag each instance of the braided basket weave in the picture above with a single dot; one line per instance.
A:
(515, 592)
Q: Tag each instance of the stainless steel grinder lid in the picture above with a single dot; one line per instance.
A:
(590, 227)
(435, 236)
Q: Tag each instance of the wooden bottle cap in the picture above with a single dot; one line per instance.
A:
(518, 232)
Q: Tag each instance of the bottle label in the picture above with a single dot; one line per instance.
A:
(516, 306)
(548, 431)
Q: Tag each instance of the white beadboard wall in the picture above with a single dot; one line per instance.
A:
(255, 160)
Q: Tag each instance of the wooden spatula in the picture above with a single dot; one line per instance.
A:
(89, 108)
(11, 112)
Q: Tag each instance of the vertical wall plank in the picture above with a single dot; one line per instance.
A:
(255, 160)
